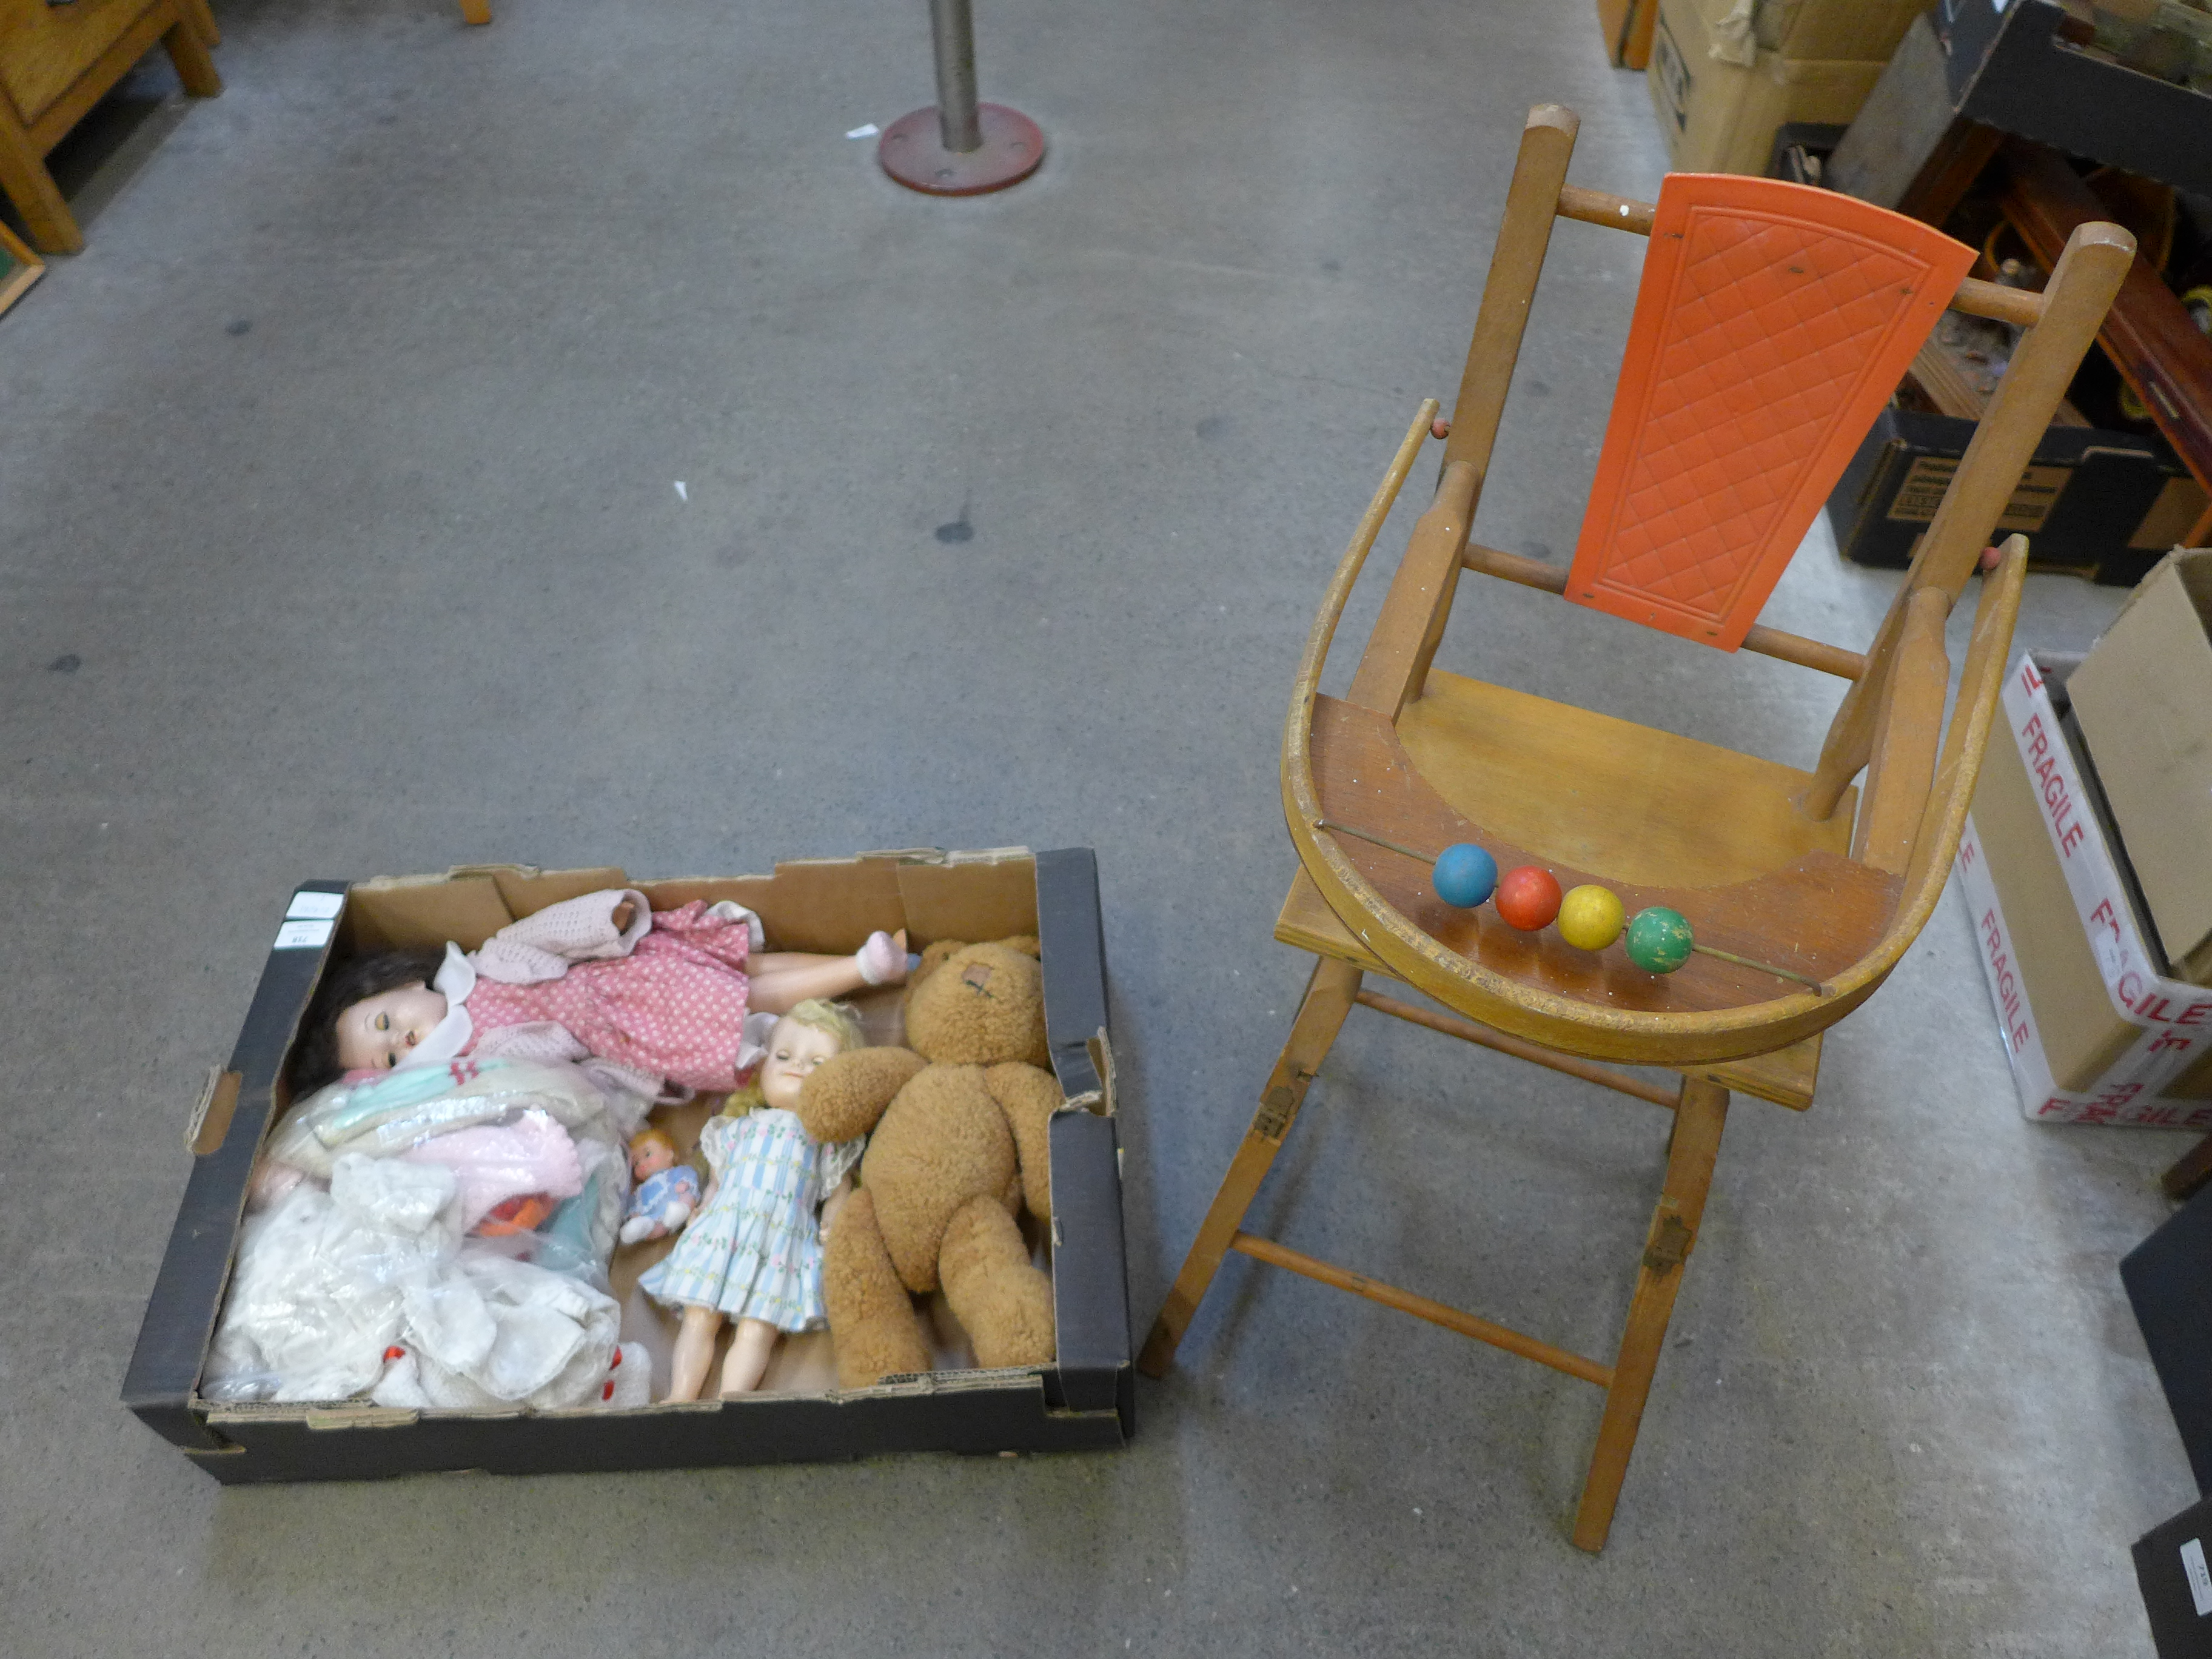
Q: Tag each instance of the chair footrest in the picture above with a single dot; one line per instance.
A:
(1421, 1307)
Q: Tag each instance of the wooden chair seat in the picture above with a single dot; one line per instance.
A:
(1660, 819)
(1627, 802)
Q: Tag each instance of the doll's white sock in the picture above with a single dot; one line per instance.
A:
(882, 962)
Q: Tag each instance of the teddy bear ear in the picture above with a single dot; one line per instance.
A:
(1026, 944)
(933, 958)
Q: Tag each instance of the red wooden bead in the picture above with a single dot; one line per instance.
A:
(1528, 897)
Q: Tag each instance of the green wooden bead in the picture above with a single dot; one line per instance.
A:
(1658, 940)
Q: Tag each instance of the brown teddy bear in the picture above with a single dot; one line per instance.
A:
(959, 1140)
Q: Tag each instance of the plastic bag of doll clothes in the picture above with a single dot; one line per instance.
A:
(436, 1235)
(539, 1150)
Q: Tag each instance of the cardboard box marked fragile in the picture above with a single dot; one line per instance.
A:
(2094, 1032)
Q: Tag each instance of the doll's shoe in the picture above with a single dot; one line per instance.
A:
(675, 1215)
(637, 1227)
(883, 959)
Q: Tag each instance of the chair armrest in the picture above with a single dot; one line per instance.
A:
(1936, 844)
(1905, 737)
(1412, 619)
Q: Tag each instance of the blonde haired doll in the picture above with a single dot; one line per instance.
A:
(753, 1251)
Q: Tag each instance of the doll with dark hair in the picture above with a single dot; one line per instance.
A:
(315, 1061)
(655, 1002)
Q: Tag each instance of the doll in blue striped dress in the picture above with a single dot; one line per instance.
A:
(753, 1250)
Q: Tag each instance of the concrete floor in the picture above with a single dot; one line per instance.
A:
(341, 536)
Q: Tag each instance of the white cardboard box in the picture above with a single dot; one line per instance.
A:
(2162, 1027)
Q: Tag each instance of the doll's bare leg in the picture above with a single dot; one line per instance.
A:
(695, 1351)
(780, 980)
(749, 1351)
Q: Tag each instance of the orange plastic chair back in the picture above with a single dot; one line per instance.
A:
(1773, 323)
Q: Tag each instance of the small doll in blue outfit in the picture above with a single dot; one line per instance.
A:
(666, 1192)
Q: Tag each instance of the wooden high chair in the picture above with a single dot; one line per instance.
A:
(1772, 322)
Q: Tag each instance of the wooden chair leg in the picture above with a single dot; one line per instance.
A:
(24, 178)
(1698, 1123)
(1328, 998)
(476, 11)
(188, 51)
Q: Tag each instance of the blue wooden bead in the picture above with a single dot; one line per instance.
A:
(1465, 875)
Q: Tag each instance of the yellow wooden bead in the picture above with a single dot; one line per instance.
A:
(1590, 917)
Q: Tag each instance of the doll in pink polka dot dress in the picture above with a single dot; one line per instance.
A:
(654, 1002)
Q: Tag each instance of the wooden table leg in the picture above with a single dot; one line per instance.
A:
(1699, 1121)
(24, 178)
(197, 14)
(1328, 998)
(476, 11)
(188, 51)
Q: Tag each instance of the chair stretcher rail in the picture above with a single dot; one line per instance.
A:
(1767, 641)
(1467, 1030)
(2017, 306)
(1436, 1313)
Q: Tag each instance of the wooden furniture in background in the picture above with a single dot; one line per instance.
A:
(56, 62)
(1912, 149)
(1773, 319)
(2148, 335)
(19, 268)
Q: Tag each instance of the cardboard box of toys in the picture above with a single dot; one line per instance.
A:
(2143, 696)
(2097, 1029)
(438, 1267)
(1721, 94)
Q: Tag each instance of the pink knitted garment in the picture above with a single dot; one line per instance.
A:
(675, 1006)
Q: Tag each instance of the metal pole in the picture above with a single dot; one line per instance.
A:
(954, 31)
(958, 147)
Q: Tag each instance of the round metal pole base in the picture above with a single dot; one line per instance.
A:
(913, 152)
